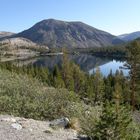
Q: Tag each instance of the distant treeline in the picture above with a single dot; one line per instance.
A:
(116, 52)
(110, 51)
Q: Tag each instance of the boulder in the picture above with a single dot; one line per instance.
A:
(60, 123)
(16, 126)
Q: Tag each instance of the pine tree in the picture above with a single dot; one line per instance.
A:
(67, 72)
(133, 64)
(98, 85)
(43, 74)
(57, 78)
(79, 80)
(108, 95)
(112, 125)
(89, 88)
(117, 96)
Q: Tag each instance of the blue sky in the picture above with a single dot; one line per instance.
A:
(114, 16)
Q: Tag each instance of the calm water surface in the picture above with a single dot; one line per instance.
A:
(110, 66)
(87, 63)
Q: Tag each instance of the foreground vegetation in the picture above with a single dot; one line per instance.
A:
(104, 106)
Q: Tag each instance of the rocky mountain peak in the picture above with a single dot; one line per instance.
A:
(56, 33)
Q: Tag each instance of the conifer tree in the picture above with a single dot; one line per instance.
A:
(98, 85)
(112, 125)
(108, 89)
(79, 79)
(133, 64)
(89, 88)
(67, 72)
(117, 96)
(57, 78)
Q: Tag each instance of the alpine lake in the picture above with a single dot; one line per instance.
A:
(87, 63)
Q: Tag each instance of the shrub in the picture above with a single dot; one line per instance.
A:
(27, 97)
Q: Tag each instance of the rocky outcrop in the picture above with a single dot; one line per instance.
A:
(20, 42)
(19, 48)
(6, 34)
(16, 128)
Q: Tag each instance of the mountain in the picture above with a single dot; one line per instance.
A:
(56, 33)
(5, 34)
(130, 37)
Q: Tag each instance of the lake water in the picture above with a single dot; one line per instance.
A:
(87, 63)
(110, 66)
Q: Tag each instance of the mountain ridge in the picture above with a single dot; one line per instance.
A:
(130, 36)
(5, 34)
(57, 33)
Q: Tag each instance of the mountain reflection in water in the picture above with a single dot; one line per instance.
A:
(87, 63)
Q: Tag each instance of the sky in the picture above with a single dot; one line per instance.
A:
(114, 16)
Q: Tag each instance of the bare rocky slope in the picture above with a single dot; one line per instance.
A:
(16, 128)
(19, 48)
(17, 42)
(56, 33)
(20, 42)
(19, 128)
(5, 34)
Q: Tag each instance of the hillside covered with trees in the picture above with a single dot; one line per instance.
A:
(104, 106)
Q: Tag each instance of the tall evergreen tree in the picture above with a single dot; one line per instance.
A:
(112, 125)
(79, 80)
(57, 78)
(108, 89)
(98, 85)
(90, 88)
(117, 95)
(133, 64)
(67, 72)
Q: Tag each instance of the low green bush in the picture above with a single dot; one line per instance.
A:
(27, 97)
